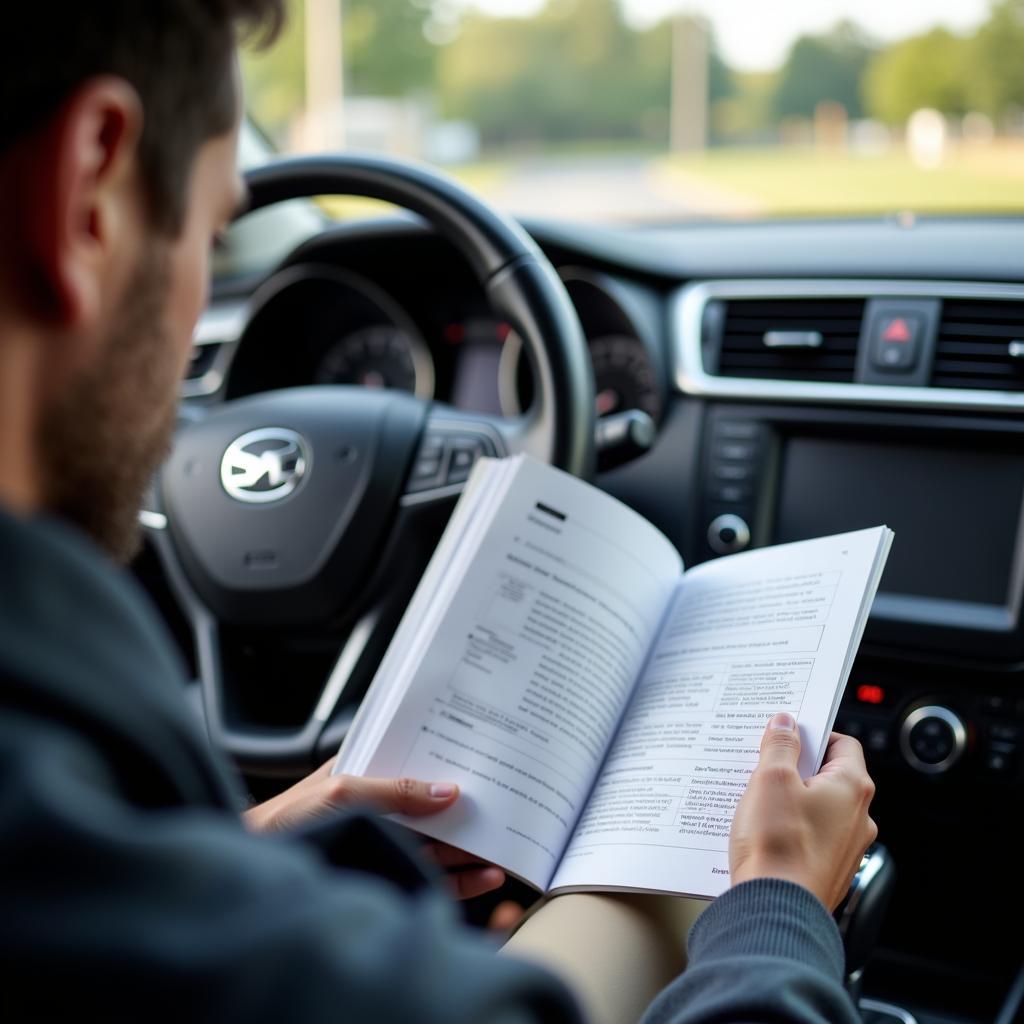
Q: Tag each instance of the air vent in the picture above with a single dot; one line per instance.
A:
(202, 360)
(205, 372)
(791, 339)
(980, 345)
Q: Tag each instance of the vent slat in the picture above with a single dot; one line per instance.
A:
(982, 331)
(768, 359)
(958, 348)
(973, 345)
(744, 354)
(974, 368)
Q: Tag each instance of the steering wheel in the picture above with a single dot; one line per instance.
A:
(293, 525)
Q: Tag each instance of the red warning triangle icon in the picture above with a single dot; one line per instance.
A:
(896, 330)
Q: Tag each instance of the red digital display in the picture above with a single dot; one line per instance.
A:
(455, 334)
(870, 694)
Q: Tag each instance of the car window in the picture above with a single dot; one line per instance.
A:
(628, 110)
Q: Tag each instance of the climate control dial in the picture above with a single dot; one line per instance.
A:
(933, 739)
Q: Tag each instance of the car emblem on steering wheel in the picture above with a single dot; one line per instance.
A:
(264, 465)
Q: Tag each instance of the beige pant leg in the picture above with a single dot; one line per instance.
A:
(616, 951)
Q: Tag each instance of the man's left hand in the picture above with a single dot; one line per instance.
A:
(321, 794)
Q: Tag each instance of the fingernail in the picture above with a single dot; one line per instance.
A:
(442, 790)
(784, 720)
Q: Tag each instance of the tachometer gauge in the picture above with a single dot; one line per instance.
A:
(381, 356)
(624, 377)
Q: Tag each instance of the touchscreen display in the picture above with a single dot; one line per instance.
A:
(956, 512)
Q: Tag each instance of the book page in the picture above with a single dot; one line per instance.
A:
(747, 636)
(520, 683)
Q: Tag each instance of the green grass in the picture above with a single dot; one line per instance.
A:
(776, 182)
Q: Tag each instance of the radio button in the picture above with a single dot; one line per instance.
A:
(1000, 759)
(730, 471)
(995, 705)
(877, 740)
(1004, 733)
(738, 430)
(729, 493)
(736, 451)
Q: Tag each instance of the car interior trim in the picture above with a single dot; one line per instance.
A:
(689, 303)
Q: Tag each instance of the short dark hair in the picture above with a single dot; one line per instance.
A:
(176, 53)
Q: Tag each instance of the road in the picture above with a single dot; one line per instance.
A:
(610, 188)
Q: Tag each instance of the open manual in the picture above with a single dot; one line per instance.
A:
(600, 709)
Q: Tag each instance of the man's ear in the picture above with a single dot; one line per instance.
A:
(83, 201)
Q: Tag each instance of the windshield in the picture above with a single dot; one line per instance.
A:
(664, 110)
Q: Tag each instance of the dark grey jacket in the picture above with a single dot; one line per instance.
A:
(130, 890)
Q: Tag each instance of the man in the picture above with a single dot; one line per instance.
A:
(129, 886)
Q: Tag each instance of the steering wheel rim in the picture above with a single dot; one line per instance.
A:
(524, 289)
(518, 279)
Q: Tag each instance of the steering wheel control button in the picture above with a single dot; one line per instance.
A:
(728, 534)
(427, 467)
(462, 460)
(264, 465)
(447, 456)
(932, 739)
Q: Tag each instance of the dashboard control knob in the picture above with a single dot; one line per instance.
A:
(728, 534)
(932, 739)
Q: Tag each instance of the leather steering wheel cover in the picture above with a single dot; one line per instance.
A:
(519, 281)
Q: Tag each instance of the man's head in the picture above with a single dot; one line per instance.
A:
(118, 130)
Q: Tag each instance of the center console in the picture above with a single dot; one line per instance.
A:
(831, 407)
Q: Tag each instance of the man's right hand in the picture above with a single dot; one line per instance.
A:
(813, 833)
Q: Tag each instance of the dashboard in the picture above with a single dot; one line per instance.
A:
(424, 328)
(802, 379)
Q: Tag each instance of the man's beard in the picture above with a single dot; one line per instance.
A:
(103, 441)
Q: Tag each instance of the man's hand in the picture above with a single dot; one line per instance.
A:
(321, 794)
(813, 833)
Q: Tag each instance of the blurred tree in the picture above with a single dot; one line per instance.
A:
(565, 73)
(747, 114)
(826, 67)
(930, 70)
(574, 71)
(994, 73)
(275, 78)
(387, 52)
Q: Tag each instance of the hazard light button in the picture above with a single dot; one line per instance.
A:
(897, 342)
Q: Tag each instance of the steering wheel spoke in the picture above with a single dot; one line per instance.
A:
(330, 706)
(451, 445)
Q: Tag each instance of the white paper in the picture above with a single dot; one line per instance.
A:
(517, 661)
(747, 636)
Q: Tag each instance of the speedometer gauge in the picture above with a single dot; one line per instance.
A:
(380, 356)
(624, 377)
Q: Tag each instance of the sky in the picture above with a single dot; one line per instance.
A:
(755, 34)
